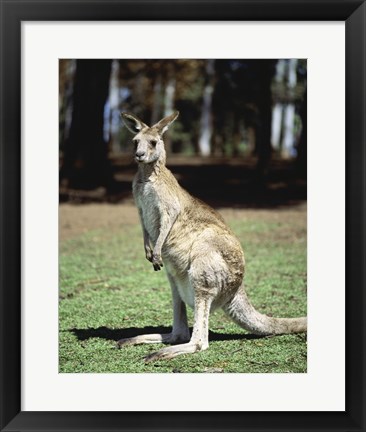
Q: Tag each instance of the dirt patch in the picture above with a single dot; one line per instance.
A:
(77, 219)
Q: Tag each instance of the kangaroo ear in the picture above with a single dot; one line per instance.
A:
(164, 124)
(132, 123)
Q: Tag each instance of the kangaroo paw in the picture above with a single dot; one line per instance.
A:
(157, 262)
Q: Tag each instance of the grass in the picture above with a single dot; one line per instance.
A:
(109, 291)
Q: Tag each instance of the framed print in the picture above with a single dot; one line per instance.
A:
(47, 382)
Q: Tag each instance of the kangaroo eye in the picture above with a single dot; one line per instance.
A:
(153, 142)
(135, 142)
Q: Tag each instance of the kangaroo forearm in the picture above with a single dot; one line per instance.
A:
(147, 241)
(166, 225)
(165, 228)
(160, 242)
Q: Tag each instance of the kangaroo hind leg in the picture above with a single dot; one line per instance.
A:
(180, 331)
(199, 338)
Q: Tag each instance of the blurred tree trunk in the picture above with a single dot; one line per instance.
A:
(263, 135)
(204, 143)
(66, 74)
(169, 99)
(278, 108)
(85, 163)
(155, 114)
(289, 114)
(302, 148)
(169, 96)
(277, 119)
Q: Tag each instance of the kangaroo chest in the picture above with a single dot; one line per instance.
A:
(146, 199)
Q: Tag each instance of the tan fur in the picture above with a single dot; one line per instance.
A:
(203, 259)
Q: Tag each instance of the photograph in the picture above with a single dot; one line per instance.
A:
(183, 215)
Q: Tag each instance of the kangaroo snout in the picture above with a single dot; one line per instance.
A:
(140, 155)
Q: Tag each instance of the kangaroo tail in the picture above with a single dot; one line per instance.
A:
(243, 313)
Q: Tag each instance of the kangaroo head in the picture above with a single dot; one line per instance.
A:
(148, 141)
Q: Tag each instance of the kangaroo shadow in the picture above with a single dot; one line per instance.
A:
(116, 334)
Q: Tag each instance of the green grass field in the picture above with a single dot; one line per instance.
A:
(109, 291)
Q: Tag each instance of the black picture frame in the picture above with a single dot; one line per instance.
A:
(353, 13)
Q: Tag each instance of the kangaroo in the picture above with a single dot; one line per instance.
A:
(203, 259)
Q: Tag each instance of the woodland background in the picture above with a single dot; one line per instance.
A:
(249, 116)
